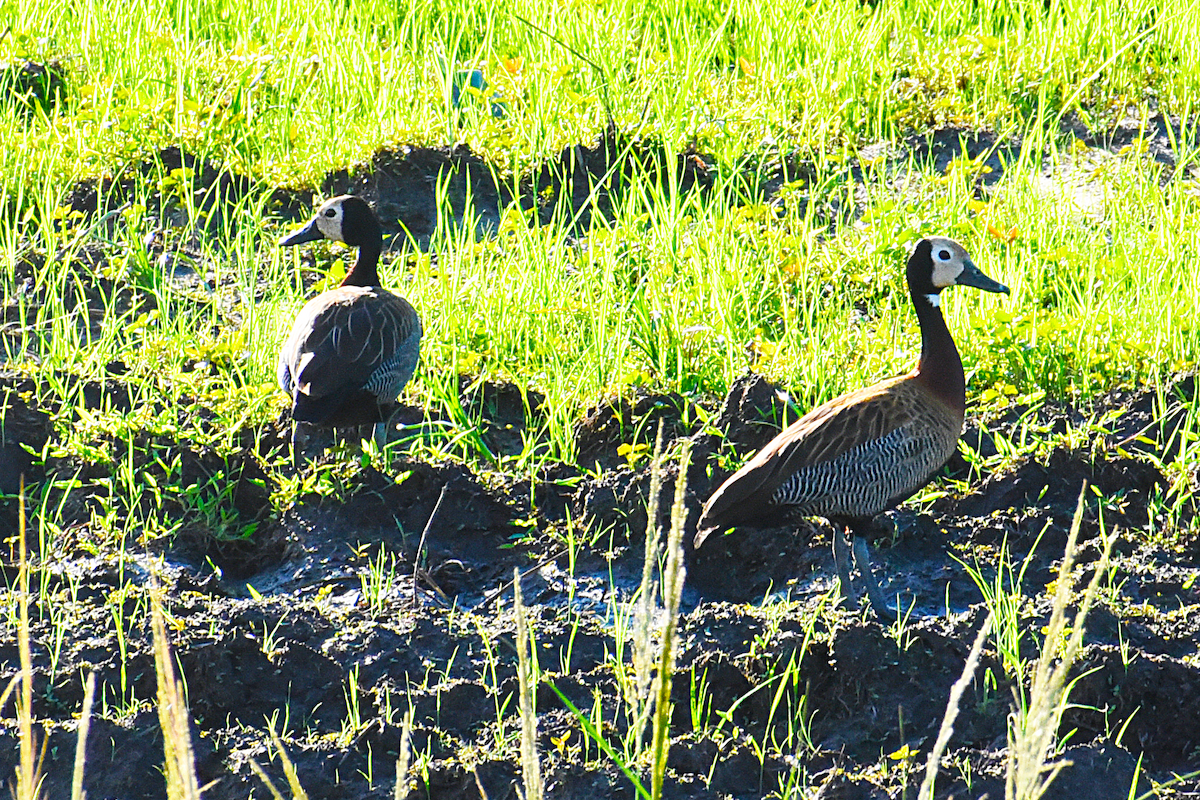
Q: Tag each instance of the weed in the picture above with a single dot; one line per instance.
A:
(1033, 726)
(527, 678)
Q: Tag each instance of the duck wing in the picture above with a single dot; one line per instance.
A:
(877, 442)
(350, 339)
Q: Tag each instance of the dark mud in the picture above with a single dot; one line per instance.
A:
(33, 85)
(581, 183)
(587, 182)
(339, 614)
(181, 190)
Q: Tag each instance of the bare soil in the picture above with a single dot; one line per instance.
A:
(441, 642)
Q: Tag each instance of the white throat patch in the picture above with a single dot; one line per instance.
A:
(934, 300)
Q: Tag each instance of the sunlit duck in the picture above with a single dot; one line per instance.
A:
(352, 349)
(866, 451)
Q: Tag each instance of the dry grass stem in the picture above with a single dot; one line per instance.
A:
(673, 578)
(266, 779)
(645, 610)
(952, 708)
(179, 765)
(85, 724)
(531, 770)
(403, 758)
(289, 769)
(29, 778)
(1033, 731)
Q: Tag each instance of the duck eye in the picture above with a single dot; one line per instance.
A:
(944, 255)
(330, 213)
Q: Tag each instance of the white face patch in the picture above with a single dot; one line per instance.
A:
(329, 219)
(949, 261)
(934, 300)
(945, 274)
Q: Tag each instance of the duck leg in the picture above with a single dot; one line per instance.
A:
(297, 445)
(841, 560)
(862, 560)
(383, 428)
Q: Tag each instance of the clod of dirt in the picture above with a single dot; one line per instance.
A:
(753, 413)
(589, 180)
(32, 84)
(402, 186)
(1055, 485)
(763, 176)
(231, 678)
(990, 154)
(124, 759)
(1164, 137)
(1159, 695)
(505, 410)
(211, 190)
(1149, 421)
(24, 431)
(630, 421)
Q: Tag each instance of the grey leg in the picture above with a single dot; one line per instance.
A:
(296, 444)
(863, 560)
(382, 429)
(841, 560)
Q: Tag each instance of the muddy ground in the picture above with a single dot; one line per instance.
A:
(442, 644)
(277, 626)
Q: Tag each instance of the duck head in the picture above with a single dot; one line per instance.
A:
(938, 263)
(350, 220)
(346, 218)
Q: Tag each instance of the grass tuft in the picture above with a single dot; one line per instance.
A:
(179, 766)
(1034, 723)
(531, 768)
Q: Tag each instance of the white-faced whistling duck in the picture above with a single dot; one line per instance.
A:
(352, 349)
(866, 451)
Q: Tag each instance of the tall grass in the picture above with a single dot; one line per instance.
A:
(646, 644)
(179, 764)
(1034, 724)
(283, 88)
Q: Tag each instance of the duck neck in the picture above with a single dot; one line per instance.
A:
(365, 271)
(940, 369)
